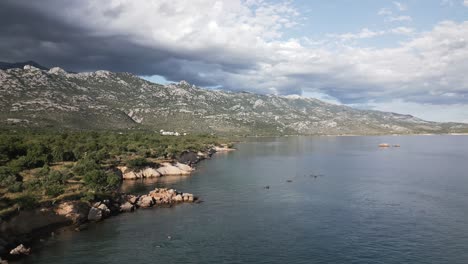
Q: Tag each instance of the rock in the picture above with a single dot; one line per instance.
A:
(147, 172)
(127, 174)
(145, 201)
(223, 148)
(76, 211)
(202, 155)
(127, 207)
(169, 169)
(189, 157)
(95, 214)
(179, 198)
(105, 210)
(184, 167)
(57, 71)
(3, 261)
(20, 250)
(133, 199)
(150, 173)
(396, 146)
(29, 67)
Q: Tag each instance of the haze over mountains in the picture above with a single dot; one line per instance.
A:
(35, 97)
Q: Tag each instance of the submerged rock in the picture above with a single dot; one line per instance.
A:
(127, 207)
(20, 250)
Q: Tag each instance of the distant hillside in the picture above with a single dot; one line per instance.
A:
(33, 97)
(20, 65)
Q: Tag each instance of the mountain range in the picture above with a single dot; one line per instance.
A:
(34, 96)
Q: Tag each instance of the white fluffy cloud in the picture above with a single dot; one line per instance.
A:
(400, 6)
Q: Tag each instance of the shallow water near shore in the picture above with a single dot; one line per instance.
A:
(330, 200)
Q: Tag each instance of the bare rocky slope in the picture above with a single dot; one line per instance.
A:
(32, 97)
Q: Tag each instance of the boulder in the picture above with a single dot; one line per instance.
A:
(169, 169)
(178, 198)
(104, 209)
(145, 201)
(202, 155)
(128, 174)
(133, 199)
(20, 250)
(189, 157)
(127, 207)
(184, 167)
(95, 214)
(149, 172)
(76, 211)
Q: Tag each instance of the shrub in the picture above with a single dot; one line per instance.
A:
(10, 180)
(54, 189)
(138, 163)
(85, 165)
(113, 180)
(27, 201)
(96, 179)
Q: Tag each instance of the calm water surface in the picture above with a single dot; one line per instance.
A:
(348, 202)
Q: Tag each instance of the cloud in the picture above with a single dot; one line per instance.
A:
(237, 45)
(366, 33)
(402, 30)
(363, 34)
(465, 3)
(385, 12)
(427, 111)
(399, 18)
(400, 6)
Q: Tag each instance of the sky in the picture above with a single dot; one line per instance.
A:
(408, 56)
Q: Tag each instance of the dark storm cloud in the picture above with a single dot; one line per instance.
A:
(30, 33)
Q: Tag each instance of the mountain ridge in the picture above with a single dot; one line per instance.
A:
(12, 65)
(32, 97)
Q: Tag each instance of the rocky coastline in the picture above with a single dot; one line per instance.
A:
(21, 230)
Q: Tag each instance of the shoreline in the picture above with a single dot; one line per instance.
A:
(21, 235)
(356, 135)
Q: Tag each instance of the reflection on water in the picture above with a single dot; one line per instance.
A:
(142, 186)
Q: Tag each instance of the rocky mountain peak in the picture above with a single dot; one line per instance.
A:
(57, 70)
(184, 83)
(30, 68)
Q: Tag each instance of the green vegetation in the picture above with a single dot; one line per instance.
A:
(37, 167)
